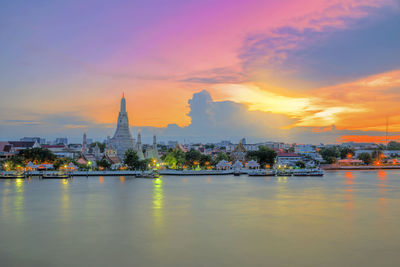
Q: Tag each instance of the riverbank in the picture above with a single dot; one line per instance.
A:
(367, 167)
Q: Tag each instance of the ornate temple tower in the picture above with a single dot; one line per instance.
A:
(139, 147)
(84, 144)
(122, 139)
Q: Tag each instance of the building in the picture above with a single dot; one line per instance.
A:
(61, 151)
(122, 139)
(304, 149)
(286, 158)
(21, 145)
(349, 162)
(152, 152)
(33, 139)
(239, 153)
(6, 150)
(139, 148)
(61, 140)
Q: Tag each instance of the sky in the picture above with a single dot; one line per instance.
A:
(291, 71)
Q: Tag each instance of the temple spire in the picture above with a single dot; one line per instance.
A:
(123, 103)
(122, 140)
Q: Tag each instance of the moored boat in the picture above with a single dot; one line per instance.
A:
(317, 172)
(283, 173)
(261, 173)
(12, 175)
(56, 175)
(151, 175)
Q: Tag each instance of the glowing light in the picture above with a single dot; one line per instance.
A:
(382, 175)
(349, 175)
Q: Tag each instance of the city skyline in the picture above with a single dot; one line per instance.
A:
(325, 71)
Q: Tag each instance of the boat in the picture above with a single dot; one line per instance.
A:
(283, 173)
(12, 175)
(236, 173)
(317, 172)
(301, 172)
(261, 173)
(56, 175)
(151, 175)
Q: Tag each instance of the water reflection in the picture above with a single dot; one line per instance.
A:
(5, 199)
(158, 202)
(101, 179)
(19, 200)
(282, 179)
(65, 201)
(349, 190)
(122, 179)
(382, 190)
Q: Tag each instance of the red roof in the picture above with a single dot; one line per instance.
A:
(25, 144)
(285, 154)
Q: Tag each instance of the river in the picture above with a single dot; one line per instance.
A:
(346, 218)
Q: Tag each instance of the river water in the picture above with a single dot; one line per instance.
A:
(342, 219)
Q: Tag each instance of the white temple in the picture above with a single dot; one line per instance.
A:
(122, 139)
(139, 148)
(152, 153)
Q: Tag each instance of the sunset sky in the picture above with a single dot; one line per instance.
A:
(305, 71)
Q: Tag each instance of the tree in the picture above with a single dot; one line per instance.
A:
(264, 156)
(221, 156)
(205, 160)
(345, 152)
(61, 162)
(12, 163)
(192, 157)
(37, 154)
(174, 159)
(131, 159)
(103, 163)
(143, 164)
(170, 160)
(366, 157)
(330, 154)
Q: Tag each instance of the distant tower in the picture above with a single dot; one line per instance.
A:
(97, 152)
(84, 144)
(139, 148)
(155, 149)
(122, 139)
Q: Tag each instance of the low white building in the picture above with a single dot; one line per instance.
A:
(285, 158)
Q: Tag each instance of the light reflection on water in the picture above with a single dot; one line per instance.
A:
(343, 219)
(65, 201)
(19, 200)
(158, 203)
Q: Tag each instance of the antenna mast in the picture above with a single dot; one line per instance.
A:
(387, 129)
